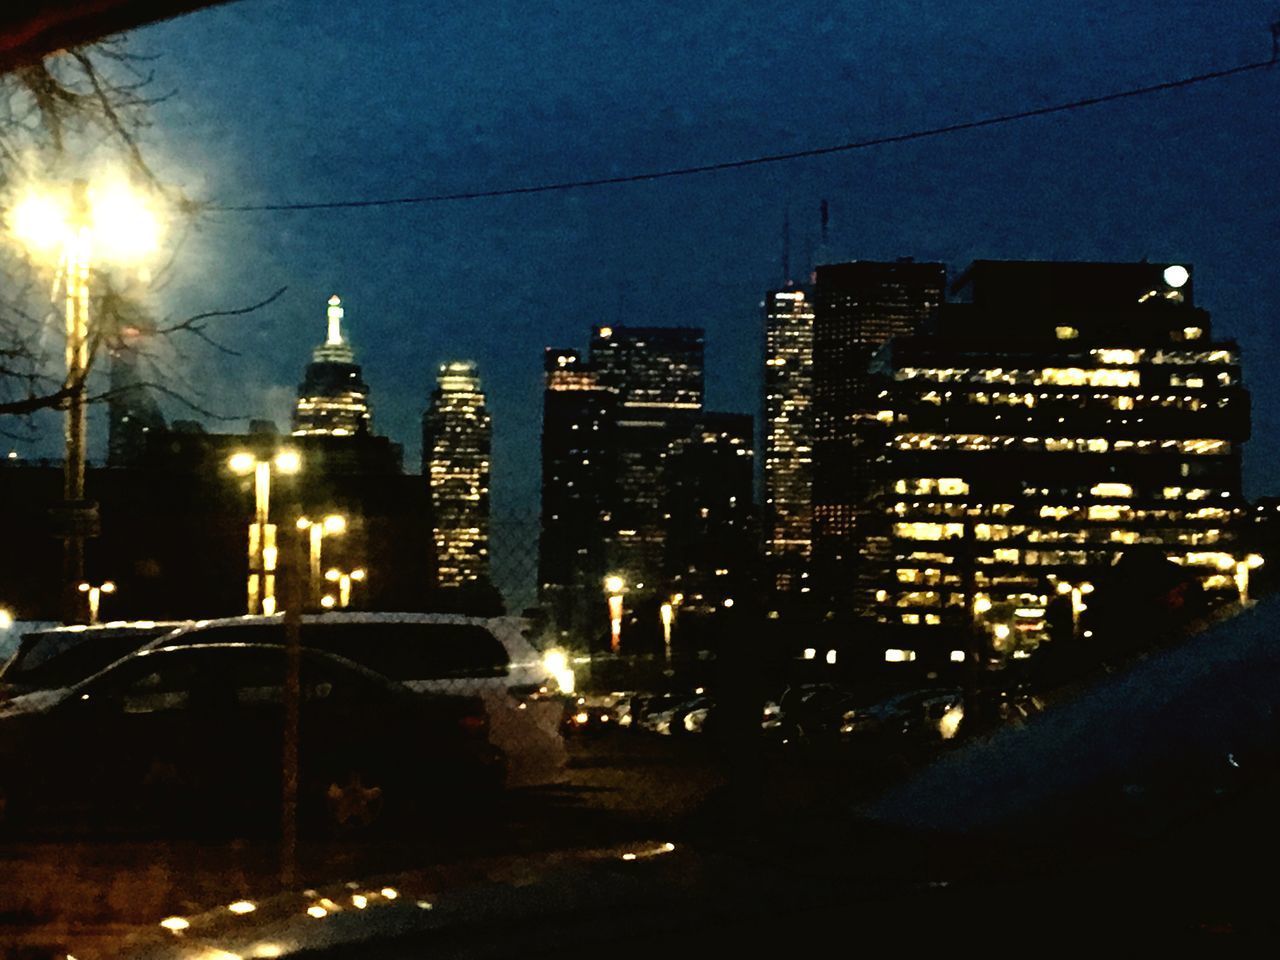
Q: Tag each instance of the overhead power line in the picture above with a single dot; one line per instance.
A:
(907, 137)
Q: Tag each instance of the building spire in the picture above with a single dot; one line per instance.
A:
(335, 320)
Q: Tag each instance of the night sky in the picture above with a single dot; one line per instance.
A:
(303, 100)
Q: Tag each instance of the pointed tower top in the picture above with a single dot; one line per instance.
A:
(335, 320)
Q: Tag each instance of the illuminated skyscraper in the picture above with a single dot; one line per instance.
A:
(788, 457)
(1068, 414)
(456, 443)
(859, 307)
(657, 374)
(333, 398)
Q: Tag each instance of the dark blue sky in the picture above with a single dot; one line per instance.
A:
(322, 99)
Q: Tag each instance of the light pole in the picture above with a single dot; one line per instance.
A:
(263, 552)
(613, 587)
(332, 525)
(69, 226)
(95, 596)
(344, 580)
(1250, 562)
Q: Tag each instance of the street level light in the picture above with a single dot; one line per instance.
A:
(68, 227)
(613, 587)
(667, 613)
(331, 525)
(263, 552)
(344, 580)
(1243, 568)
(95, 596)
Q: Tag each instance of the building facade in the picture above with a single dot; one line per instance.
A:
(788, 437)
(457, 438)
(1067, 414)
(859, 307)
(333, 398)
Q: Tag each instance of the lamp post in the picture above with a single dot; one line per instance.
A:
(344, 580)
(263, 552)
(613, 587)
(332, 525)
(69, 226)
(95, 593)
(1250, 562)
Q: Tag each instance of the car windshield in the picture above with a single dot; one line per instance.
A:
(62, 658)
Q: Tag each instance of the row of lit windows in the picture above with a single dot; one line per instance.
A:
(977, 441)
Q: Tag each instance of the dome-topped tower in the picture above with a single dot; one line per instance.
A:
(333, 398)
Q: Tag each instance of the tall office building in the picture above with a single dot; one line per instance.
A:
(133, 415)
(456, 443)
(657, 374)
(859, 307)
(577, 487)
(788, 437)
(1067, 414)
(333, 398)
(711, 524)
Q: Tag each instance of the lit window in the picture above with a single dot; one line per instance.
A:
(899, 656)
(1111, 490)
(1066, 333)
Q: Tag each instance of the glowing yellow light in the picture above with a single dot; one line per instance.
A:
(303, 523)
(949, 724)
(123, 227)
(335, 523)
(981, 603)
(1001, 631)
(83, 588)
(332, 574)
(1253, 561)
(1063, 587)
(728, 601)
(358, 574)
(288, 461)
(175, 924)
(317, 911)
(269, 606)
(606, 333)
(242, 462)
(899, 656)
(6, 619)
(327, 601)
(554, 661)
(628, 856)
(614, 584)
(1176, 275)
(359, 901)
(42, 221)
(242, 906)
(268, 950)
(108, 587)
(957, 656)
(390, 893)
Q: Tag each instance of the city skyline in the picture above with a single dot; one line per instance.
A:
(1100, 184)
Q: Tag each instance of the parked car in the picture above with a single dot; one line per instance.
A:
(670, 719)
(192, 734)
(58, 656)
(433, 653)
(901, 714)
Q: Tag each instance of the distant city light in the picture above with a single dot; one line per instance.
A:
(1175, 276)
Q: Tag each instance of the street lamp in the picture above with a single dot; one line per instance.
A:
(613, 587)
(344, 581)
(69, 227)
(332, 525)
(263, 552)
(1250, 562)
(667, 613)
(95, 596)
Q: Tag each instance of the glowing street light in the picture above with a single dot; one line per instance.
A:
(69, 227)
(613, 587)
(1250, 562)
(667, 613)
(263, 552)
(95, 596)
(344, 580)
(332, 525)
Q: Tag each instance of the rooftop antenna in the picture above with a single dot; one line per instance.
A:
(786, 246)
(335, 313)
